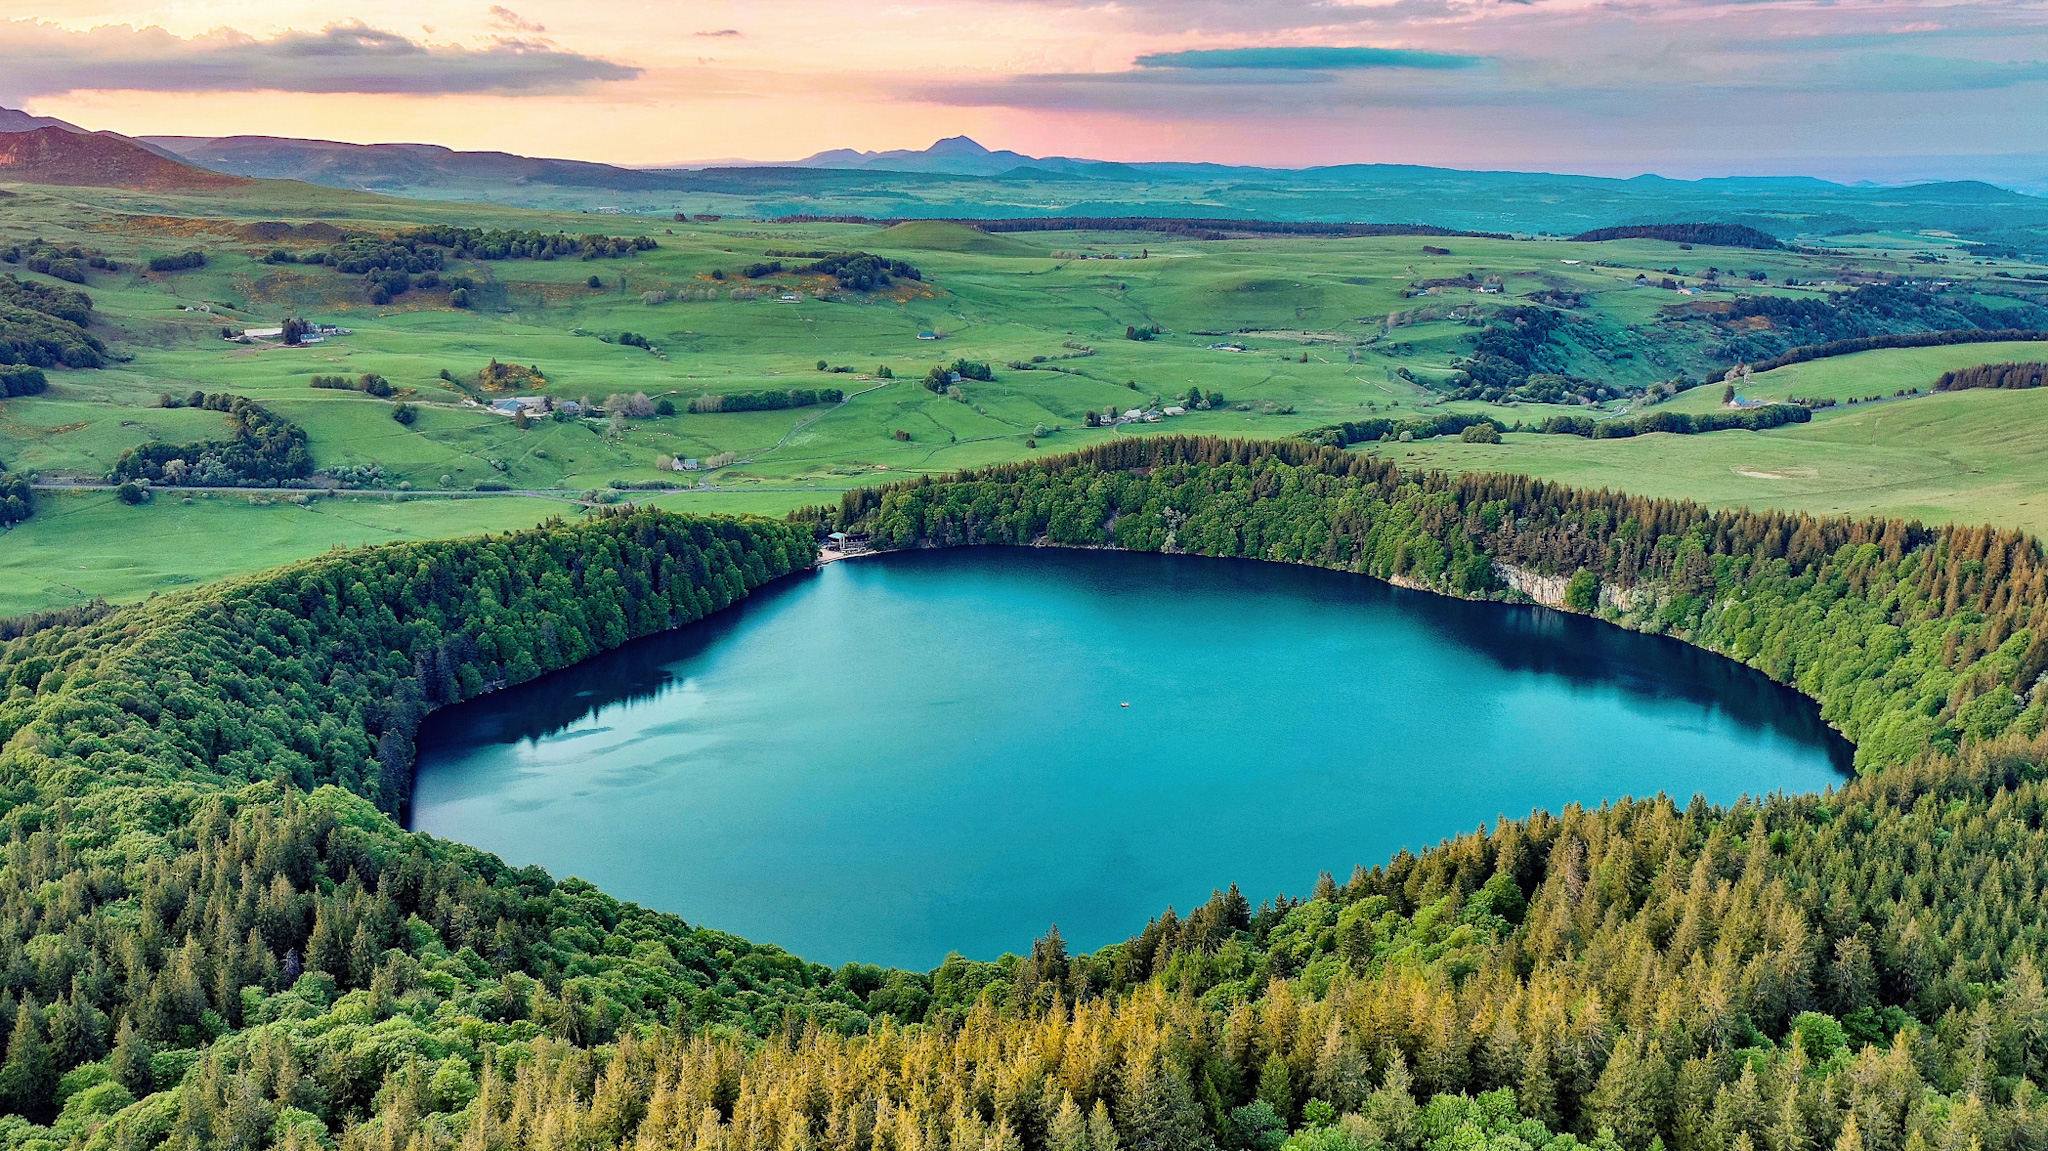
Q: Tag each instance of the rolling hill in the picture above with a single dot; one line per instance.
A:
(60, 155)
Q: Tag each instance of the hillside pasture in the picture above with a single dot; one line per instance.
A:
(1966, 457)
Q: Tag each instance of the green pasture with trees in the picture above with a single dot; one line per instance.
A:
(649, 342)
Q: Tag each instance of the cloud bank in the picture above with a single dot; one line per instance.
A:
(1305, 59)
(46, 60)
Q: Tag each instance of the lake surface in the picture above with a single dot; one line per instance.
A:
(900, 756)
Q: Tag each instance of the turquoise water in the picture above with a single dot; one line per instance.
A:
(900, 756)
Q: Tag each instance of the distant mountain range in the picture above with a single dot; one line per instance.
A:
(962, 156)
(959, 178)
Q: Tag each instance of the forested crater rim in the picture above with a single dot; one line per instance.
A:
(221, 765)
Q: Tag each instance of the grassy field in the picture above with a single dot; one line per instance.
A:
(1967, 457)
(1855, 377)
(1293, 332)
(88, 544)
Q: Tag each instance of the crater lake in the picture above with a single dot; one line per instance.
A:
(900, 755)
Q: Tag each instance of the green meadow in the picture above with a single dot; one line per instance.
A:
(1961, 457)
(1286, 333)
(1862, 375)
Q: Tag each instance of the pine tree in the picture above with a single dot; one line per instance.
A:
(1159, 1112)
(1276, 1087)
(1102, 1134)
(129, 1065)
(1630, 1098)
(28, 1079)
(1068, 1130)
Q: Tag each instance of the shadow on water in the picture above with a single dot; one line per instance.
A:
(1587, 652)
(1524, 638)
(637, 671)
(1528, 638)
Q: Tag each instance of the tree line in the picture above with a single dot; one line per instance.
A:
(1756, 419)
(1721, 235)
(393, 265)
(1939, 339)
(1189, 227)
(765, 401)
(2029, 375)
(1760, 418)
(369, 383)
(178, 262)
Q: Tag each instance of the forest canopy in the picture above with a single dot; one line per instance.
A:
(215, 936)
(1723, 235)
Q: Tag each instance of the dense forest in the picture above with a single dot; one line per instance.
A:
(2032, 375)
(262, 448)
(1794, 329)
(1723, 235)
(45, 327)
(213, 937)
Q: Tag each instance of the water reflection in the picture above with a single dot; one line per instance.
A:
(1518, 638)
(900, 756)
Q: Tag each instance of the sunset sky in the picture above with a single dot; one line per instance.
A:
(1883, 89)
